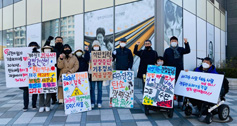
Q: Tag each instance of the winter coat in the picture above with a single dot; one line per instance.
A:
(69, 64)
(124, 58)
(147, 57)
(169, 59)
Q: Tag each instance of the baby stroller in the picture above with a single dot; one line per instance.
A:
(169, 111)
(209, 109)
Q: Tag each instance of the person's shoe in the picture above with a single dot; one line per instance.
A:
(41, 109)
(34, 107)
(92, 105)
(54, 102)
(99, 105)
(25, 109)
(47, 109)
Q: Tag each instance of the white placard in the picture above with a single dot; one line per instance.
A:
(198, 85)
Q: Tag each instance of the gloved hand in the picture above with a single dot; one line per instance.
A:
(114, 52)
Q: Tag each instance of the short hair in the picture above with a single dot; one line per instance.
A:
(59, 37)
(160, 58)
(208, 59)
(148, 41)
(100, 30)
(173, 38)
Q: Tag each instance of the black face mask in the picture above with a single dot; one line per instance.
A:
(147, 47)
(67, 52)
(58, 45)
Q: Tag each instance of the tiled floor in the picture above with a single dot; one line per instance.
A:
(11, 113)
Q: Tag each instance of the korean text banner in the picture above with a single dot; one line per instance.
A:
(76, 91)
(159, 86)
(42, 73)
(101, 65)
(198, 85)
(16, 69)
(122, 89)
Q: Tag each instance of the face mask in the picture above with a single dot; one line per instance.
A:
(34, 49)
(58, 45)
(159, 63)
(122, 44)
(79, 54)
(147, 47)
(205, 65)
(67, 52)
(96, 48)
(173, 44)
(47, 50)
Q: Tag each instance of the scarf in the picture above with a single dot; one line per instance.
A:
(176, 52)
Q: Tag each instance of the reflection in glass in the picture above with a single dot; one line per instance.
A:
(67, 31)
(20, 37)
(8, 38)
(50, 28)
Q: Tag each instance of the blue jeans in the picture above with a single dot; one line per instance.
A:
(92, 92)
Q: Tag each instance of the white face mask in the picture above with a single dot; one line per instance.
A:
(160, 63)
(79, 54)
(205, 65)
(96, 48)
(122, 44)
(47, 50)
(174, 44)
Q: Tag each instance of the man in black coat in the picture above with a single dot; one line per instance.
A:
(148, 56)
(58, 48)
(123, 56)
(173, 56)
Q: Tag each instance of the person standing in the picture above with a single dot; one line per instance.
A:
(173, 56)
(58, 48)
(83, 59)
(96, 47)
(123, 56)
(148, 56)
(67, 63)
(44, 103)
(26, 89)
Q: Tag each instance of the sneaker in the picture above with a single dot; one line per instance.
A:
(47, 109)
(92, 105)
(34, 107)
(54, 102)
(99, 105)
(25, 109)
(41, 109)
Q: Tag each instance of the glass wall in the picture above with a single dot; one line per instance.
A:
(50, 28)
(8, 38)
(67, 30)
(20, 37)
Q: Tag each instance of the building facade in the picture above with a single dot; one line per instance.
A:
(80, 22)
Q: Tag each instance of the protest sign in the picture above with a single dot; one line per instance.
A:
(76, 92)
(16, 69)
(122, 89)
(42, 73)
(159, 86)
(198, 85)
(101, 65)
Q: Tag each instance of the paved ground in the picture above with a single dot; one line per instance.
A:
(11, 113)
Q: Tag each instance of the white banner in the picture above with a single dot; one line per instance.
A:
(198, 85)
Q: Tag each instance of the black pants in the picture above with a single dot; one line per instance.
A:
(26, 97)
(53, 95)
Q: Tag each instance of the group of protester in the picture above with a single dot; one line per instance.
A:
(78, 61)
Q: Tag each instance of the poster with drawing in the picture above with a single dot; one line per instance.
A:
(76, 91)
(122, 89)
(198, 85)
(159, 86)
(42, 73)
(16, 69)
